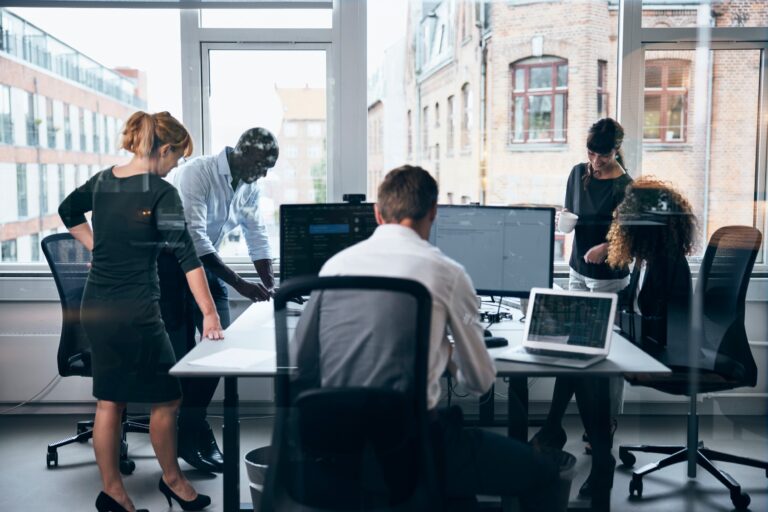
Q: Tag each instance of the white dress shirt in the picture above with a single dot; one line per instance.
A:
(398, 251)
(212, 209)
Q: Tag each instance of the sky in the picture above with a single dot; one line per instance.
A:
(149, 40)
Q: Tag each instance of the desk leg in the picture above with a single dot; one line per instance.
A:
(517, 408)
(486, 407)
(231, 429)
(603, 462)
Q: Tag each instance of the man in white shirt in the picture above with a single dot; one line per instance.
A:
(219, 193)
(476, 461)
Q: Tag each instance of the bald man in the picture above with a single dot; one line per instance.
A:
(219, 193)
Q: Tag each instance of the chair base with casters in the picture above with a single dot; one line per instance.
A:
(695, 454)
(139, 424)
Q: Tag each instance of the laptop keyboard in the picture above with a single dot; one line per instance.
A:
(558, 353)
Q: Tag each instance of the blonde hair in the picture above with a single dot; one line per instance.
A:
(144, 133)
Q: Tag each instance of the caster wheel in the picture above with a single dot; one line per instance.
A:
(51, 460)
(81, 430)
(636, 487)
(127, 467)
(740, 500)
(627, 458)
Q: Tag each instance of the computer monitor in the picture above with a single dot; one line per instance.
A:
(506, 250)
(311, 233)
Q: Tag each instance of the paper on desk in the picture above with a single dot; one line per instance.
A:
(235, 358)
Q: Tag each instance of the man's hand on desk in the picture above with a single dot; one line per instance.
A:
(212, 327)
(257, 292)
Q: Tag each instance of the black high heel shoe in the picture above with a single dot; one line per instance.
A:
(198, 503)
(106, 503)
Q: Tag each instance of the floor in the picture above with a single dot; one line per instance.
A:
(26, 485)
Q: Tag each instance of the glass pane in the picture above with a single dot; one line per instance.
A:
(675, 117)
(85, 71)
(519, 118)
(397, 39)
(266, 18)
(746, 13)
(541, 77)
(540, 118)
(560, 117)
(289, 99)
(653, 76)
(520, 79)
(677, 74)
(720, 182)
(562, 75)
(652, 117)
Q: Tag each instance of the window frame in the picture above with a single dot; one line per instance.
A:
(465, 131)
(526, 65)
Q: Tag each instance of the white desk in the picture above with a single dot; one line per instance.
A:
(255, 329)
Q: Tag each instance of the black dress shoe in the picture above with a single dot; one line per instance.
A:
(105, 503)
(190, 453)
(209, 450)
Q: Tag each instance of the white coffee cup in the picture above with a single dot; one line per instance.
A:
(566, 222)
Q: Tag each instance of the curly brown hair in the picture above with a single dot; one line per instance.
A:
(653, 220)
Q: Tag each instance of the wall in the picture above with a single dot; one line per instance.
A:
(29, 330)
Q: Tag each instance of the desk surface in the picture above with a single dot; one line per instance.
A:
(254, 329)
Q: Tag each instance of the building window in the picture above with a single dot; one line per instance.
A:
(409, 122)
(291, 129)
(602, 92)
(62, 183)
(34, 246)
(437, 115)
(21, 190)
(451, 127)
(666, 99)
(425, 134)
(9, 250)
(291, 151)
(106, 136)
(33, 123)
(6, 120)
(68, 127)
(539, 100)
(315, 129)
(43, 189)
(315, 151)
(466, 118)
(49, 124)
(96, 128)
(81, 126)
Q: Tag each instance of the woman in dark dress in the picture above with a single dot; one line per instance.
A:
(593, 191)
(135, 213)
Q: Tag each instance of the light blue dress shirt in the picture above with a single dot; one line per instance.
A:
(212, 209)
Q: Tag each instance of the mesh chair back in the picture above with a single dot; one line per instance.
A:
(351, 432)
(720, 300)
(68, 260)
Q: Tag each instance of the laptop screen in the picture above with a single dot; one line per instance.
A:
(577, 320)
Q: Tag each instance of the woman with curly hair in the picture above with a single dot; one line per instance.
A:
(654, 226)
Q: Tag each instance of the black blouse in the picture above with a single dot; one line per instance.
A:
(594, 206)
(133, 218)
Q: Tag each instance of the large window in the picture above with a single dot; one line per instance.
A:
(666, 100)
(22, 200)
(50, 124)
(68, 127)
(450, 129)
(32, 121)
(466, 118)
(425, 133)
(539, 100)
(602, 89)
(8, 250)
(6, 119)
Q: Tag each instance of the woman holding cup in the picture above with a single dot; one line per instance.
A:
(593, 191)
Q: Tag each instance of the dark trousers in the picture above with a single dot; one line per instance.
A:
(181, 316)
(476, 461)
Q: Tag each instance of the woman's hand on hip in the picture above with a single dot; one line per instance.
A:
(597, 254)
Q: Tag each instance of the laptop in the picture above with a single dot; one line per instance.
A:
(565, 328)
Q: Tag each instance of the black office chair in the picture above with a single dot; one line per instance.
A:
(709, 353)
(68, 260)
(351, 431)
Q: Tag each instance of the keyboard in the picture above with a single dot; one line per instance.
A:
(558, 353)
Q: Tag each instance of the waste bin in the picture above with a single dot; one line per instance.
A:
(256, 465)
